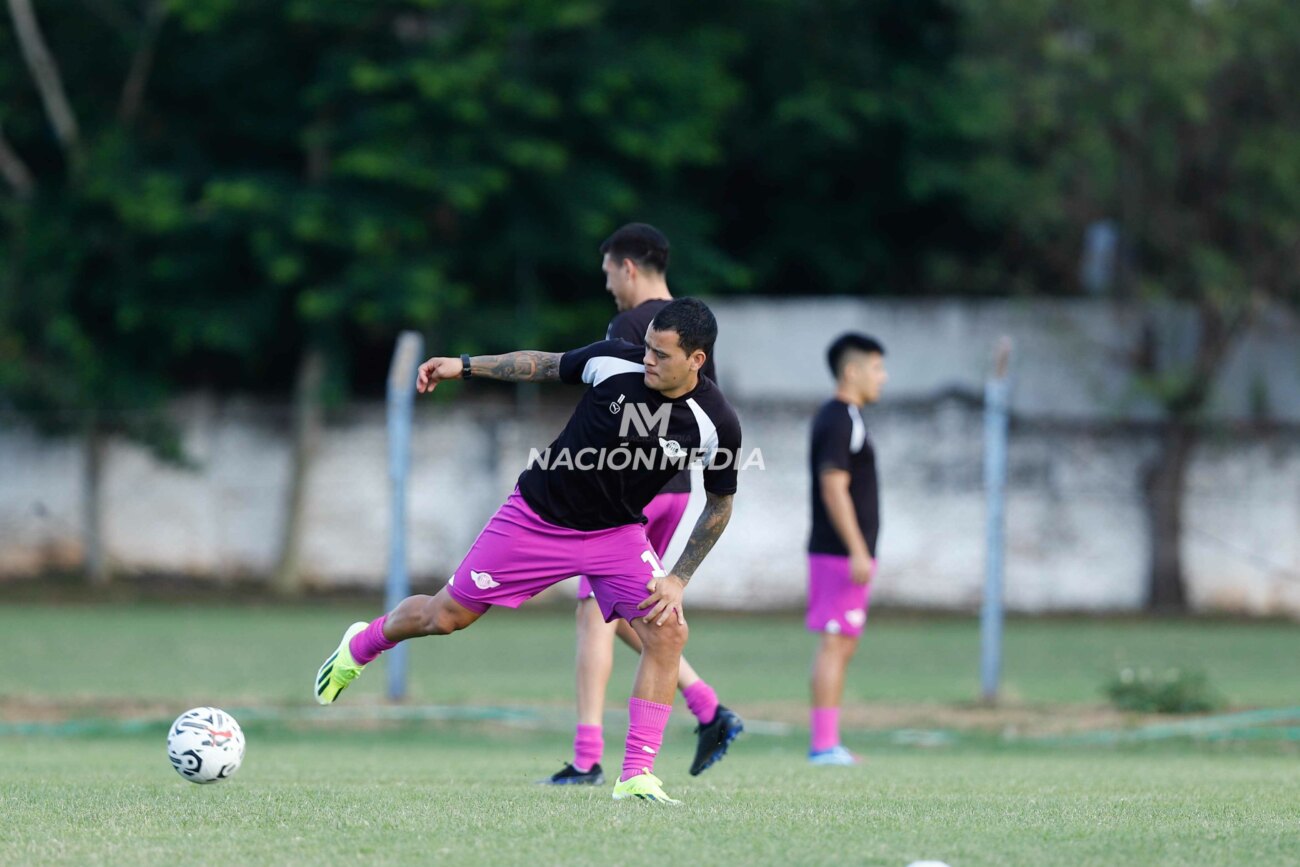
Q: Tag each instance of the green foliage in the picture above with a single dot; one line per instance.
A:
(1174, 118)
(1173, 690)
(323, 174)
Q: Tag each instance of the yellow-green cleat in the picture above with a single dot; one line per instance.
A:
(340, 669)
(645, 786)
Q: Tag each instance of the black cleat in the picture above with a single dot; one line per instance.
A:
(715, 738)
(571, 776)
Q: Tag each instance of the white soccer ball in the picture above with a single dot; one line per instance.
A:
(205, 745)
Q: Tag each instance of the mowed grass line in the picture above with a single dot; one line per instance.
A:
(454, 795)
(238, 654)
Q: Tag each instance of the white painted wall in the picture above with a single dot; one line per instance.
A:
(1076, 532)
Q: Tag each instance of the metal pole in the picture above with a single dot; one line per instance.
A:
(997, 394)
(401, 397)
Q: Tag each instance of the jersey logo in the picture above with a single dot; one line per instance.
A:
(616, 405)
(672, 448)
(483, 580)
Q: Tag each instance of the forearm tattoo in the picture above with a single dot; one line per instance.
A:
(717, 512)
(525, 366)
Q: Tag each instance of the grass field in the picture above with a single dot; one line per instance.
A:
(320, 791)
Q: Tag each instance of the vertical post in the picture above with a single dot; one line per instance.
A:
(997, 400)
(401, 397)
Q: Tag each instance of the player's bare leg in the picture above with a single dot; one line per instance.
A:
(829, 667)
(417, 616)
(414, 616)
(594, 663)
(595, 659)
(661, 657)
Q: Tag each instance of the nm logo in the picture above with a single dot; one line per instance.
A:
(645, 422)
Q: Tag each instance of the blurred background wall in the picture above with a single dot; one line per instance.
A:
(1078, 537)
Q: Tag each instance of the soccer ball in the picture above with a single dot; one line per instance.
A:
(205, 745)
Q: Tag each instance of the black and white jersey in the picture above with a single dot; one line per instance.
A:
(625, 441)
(631, 325)
(840, 442)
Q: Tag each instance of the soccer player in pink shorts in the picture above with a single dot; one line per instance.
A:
(578, 510)
(845, 526)
(635, 262)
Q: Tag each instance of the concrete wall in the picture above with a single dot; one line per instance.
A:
(1071, 358)
(1076, 531)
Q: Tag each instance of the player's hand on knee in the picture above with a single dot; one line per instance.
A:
(665, 600)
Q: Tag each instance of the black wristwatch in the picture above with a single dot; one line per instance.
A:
(464, 369)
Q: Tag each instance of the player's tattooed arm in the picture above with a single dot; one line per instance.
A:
(717, 512)
(524, 366)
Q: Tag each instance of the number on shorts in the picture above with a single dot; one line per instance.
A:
(656, 568)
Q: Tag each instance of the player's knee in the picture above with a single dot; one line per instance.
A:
(668, 638)
(438, 619)
(841, 647)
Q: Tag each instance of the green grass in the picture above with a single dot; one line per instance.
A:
(461, 793)
(457, 796)
(238, 654)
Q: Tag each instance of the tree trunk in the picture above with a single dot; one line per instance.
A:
(14, 170)
(45, 73)
(1163, 485)
(287, 580)
(94, 556)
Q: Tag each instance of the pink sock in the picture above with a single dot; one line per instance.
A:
(702, 701)
(370, 642)
(588, 746)
(825, 728)
(646, 721)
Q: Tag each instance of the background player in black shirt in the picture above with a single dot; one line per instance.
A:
(635, 262)
(845, 526)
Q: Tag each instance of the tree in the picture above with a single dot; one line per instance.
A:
(1175, 119)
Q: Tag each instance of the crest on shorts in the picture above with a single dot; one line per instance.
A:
(483, 580)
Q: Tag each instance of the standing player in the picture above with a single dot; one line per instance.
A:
(845, 524)
(578, 511)
(635, 260)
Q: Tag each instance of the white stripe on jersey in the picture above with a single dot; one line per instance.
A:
(708, 431)
(602, 367)
(858, 438)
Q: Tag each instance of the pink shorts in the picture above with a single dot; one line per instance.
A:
(662, 514)
(836, 604)
(518, 555)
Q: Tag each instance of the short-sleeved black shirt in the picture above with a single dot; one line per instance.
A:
(625, 440)
(839, 441)
(631, 325)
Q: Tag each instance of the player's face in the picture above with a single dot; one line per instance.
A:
(618, 281)
(869, 375)
(668, 369)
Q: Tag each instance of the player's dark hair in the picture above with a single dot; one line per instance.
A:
(851, 342)
(642, 243)
(693, 321)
